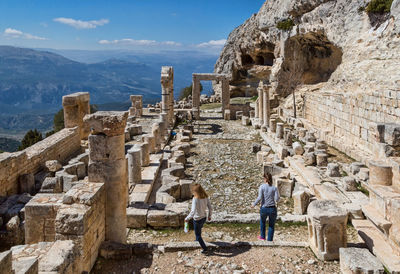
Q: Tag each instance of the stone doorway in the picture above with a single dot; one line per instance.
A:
(225, 95)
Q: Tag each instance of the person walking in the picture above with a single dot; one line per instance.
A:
(200, 203)
(268, 195)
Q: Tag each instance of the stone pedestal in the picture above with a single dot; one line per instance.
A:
(327, 229)
(134, 166)
(150, 139)
(76, 106)
(380, 173)
(279, 131)
(137, 105)
(107, 164)
(155, 129)
(272, 125)
(144, 148)
(287, 137)
(321, 158)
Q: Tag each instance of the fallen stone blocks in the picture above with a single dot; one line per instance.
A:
(172, 215)
(359, 260)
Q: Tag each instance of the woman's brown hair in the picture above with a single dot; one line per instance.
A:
(268, 176)
(199, 192)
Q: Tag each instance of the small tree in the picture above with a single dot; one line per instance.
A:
(185, 92)
(30, 138)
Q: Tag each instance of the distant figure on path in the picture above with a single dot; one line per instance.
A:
(269, 197)
(200, 203)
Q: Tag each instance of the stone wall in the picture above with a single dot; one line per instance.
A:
(348, 121)
(59, 146)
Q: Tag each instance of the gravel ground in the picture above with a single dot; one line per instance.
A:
(223, 162)
(235, 260)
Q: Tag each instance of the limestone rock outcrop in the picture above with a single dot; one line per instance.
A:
(336, 43)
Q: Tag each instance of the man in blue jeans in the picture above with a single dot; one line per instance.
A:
(268, 195)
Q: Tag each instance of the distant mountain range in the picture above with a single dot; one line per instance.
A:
(32, 82)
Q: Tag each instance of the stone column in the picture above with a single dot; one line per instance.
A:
(266, 105)
(107, 164)
(256, 115)
(134, 166)
(380, 173)
(327, 229)
(164, 126)
(164, 101)
(137, 105)
(171, 97)
(279, 130)
(148, 138)
(196, 98)
(261, 103)
(272, 123)
(155, 129)
(144, 148)
(225, 96)
(76, 106)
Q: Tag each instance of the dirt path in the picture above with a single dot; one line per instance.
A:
(223, 162)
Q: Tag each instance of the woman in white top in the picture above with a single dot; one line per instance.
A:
(200, 203)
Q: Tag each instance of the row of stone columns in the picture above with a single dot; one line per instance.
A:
(263, 108)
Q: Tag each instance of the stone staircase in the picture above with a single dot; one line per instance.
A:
(381, 230)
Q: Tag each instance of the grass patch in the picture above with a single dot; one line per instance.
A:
(362, 189)
(210, 106)
(379, 6)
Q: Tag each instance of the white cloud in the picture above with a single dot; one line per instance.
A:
(132, 42)
(79, 24)
(212, 43)
(13, 33)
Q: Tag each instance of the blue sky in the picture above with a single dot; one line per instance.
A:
(122, 24)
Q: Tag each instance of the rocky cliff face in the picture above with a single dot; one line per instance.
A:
(334, 44)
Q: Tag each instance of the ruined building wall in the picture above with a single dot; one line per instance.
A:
(59, 146)
(351, 119)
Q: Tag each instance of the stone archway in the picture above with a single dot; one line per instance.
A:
(225, 95)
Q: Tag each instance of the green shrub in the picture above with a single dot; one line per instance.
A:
(286, 24)
(379, 6)
(185, 92)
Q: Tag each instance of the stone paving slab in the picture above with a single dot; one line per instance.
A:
(185, 246)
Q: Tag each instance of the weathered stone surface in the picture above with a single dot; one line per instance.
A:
(256, 147)
(322, 159)
(359, 260)
(380, 173)
(301, 200)
(115, 251)
(285, 187)
(52, 185)
(327, 228)
(185, 187)
(333, 170)
(297, 148)
(111, 123)
(349, 183)
(5, 262)
(136, 217)
(27, 265)
(162, 218)
(309, 159)
(62, 257)
(27, 183)
(53, 165)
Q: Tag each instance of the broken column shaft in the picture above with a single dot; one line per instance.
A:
(107, 164)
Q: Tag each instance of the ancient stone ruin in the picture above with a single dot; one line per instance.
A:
(324, 121)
